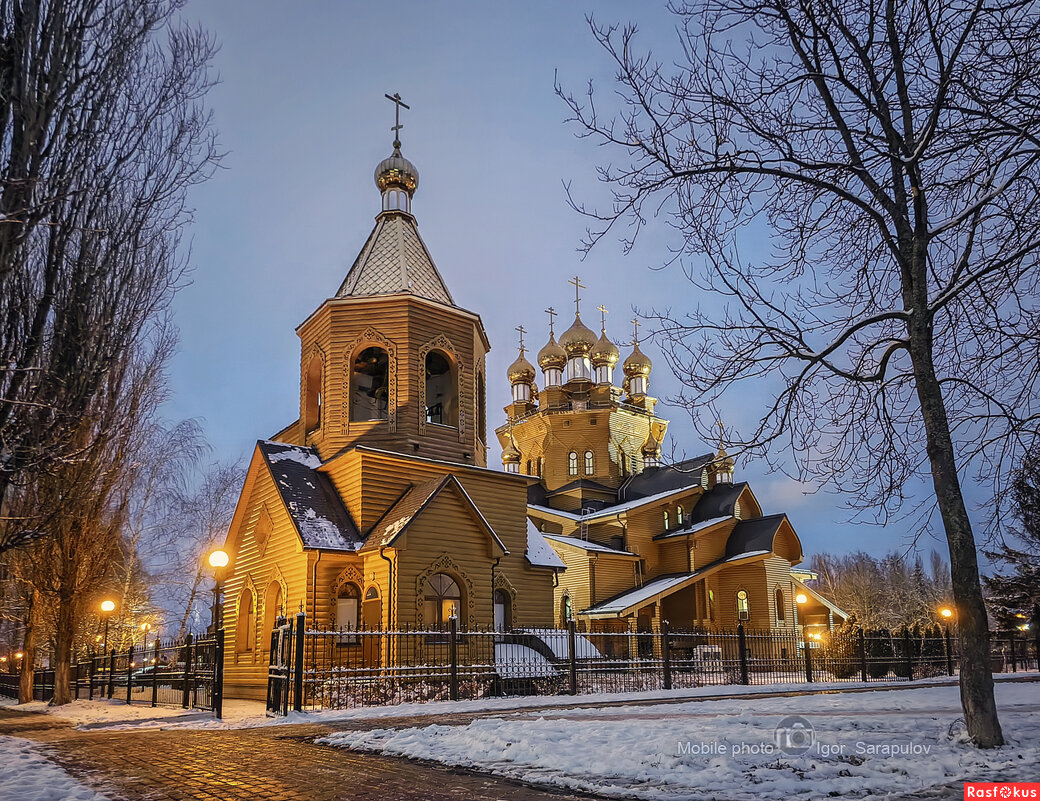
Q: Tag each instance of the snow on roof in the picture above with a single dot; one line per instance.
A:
(611, 511)
(695, 528)
(303, 456)
(588, 545)
(539, 552)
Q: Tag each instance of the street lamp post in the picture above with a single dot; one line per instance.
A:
(107, 608)
(218, 560)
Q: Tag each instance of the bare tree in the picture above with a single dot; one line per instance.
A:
(102, 132)
(888, 152)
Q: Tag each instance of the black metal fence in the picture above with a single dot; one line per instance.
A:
(187, 674)
(341, 669)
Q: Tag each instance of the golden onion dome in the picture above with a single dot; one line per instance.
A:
(605, 352)
(521, 371)
(651, 447)
(578, 339)
(397, 172)
(723, 461)
(510, 452)
(637, 363)
(552, 356)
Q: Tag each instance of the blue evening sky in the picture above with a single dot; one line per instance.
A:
(301, 112)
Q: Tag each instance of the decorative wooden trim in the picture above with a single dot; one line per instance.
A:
(503, 583)
(441, 343)
(443, 564)
(351, 574)
(371, 336)
(264, 513)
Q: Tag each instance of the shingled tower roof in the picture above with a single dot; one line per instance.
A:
(395, 260)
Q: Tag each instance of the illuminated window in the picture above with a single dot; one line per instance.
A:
(678, 516)
(568, 609)
(348, 607)
(666, 521)
(369, 383)
(588, 463)
(743, 610)
(572, 464)
(443, 597)
(711, 605)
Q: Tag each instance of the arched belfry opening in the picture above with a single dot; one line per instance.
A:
(442, 394)
(314, 399)
(369, 385)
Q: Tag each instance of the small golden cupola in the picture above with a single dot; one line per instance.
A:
(521, 374)
(724, 464)
(552, 358)
(577, 342)
(396, 177)
(651, 450)
(637, 368)
(511, 456)
(605, 354)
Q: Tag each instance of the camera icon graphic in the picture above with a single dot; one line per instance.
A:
(794, 735)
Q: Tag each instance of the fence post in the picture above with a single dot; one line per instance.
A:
(111, 672)
(76, 680)
(301, 631)
(572, 655)
(130, 674)
(863, 656)
(218, 675)
(90, 690)
(949, 652)
(287, 684)
(155, 675)
(666, 655)
(453, 658)
(1014, 657)
(808, 660)
(742, 652)
(187, 677)
(909, 655)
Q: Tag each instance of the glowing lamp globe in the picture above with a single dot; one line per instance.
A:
(108, 606)
(947, 613)
(802, 598)
(219, 559)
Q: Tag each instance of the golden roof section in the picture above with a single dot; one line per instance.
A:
(396, 171)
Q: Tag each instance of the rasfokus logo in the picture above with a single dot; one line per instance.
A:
(1002, 790)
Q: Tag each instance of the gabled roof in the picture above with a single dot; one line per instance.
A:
(821, 598)
(539, 552)
(754, 535)
(693, 528)
(719, 501)
(315, 507)
(665, 478)
(581, 483)
(395, 260)
(396, 520)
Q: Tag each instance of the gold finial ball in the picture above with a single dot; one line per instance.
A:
(578, 339)
(552, 356)
(521, 371)
(605, 352)
(397, 172)
(637, 363)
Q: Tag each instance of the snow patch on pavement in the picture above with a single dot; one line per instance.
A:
(27, 775)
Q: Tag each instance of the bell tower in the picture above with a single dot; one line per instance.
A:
(390, 360)
(581, 434)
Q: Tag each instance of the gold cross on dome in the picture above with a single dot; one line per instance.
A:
(602, 317)
(395, 98)
(552, 314)
(522, 331)
(635, 328)
(578, 286)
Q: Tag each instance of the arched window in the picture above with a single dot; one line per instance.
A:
(589, 465)
(567, 610)
(443, 597)
(711, 605)
(666, 521)
(348, 607)
(529, 468)
(572, 464)
(743, 608)
(369, 386)
(372, 613)
(245, 626)
(541, 466)
(442, 395)
(272, 607)
(312, 398)
(503, 610)
(678, 516)
(481, 409)
(781, 605)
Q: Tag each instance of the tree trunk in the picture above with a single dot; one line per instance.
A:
(25, 679)
(63, 638)
(976, 677)
(191, 602)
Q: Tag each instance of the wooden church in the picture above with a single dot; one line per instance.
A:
(376, 508)
(643, 542)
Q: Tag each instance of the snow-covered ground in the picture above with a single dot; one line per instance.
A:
(27, 775)
(856, 744)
